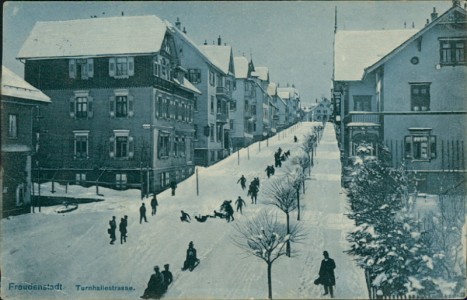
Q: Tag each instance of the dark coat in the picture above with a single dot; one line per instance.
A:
(326, 272)
(155, 287)
(122, 227)
(168, 278)
(113, 227)
(142, 210)
(154, 203)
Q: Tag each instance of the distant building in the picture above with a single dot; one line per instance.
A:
(291, 97)
(122, 108)
(21, 104)
(407, 90)
(322, 111)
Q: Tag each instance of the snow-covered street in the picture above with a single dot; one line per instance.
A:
(73, 249)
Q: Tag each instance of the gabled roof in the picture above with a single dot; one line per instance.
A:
(272, 89)
(455, 14)
(15, 86)
(356, 50)
(241, 67)
(218, 54)
(285, 95)
(173, 29)
(95, 37)
(188, 85)
(263, 73)
(291, 92)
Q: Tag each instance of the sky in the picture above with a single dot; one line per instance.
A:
(294, 39)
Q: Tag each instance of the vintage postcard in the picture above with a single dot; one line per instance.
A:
(233, 150)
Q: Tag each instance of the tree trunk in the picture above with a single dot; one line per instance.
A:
(287, 249)
(298, 206)
(269, 281)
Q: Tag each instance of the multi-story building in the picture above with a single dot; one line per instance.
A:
(211, 70)
(291, 97)
(122, 108)
(278, 108)
(323, 110)
(245, 97)
(21, 104)
(406, 89)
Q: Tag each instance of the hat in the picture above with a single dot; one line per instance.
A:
(191, 244)
(166, 266)
(325, 253)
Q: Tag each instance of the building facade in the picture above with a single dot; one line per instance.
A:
(122, 116)
(411, 99)
(21, 104)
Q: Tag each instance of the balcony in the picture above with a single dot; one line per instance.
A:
(221, 117)
(223, 92)
(363, 119)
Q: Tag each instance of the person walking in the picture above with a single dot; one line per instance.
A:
(142, 213)
(168, 278)
(111, 230)
(122, 229)
(240, 202)
(242, 181)
(326, 274)
(155, 286)
(154, 205)
(295, 139)
(173, 186)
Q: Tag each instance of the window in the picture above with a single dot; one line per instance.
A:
(253, 110)
(420, 96)
(195, 103)
(121, 145)
(81, 149)
(219, 132)
(196, 131)
(80, 178)
(212, 105)
(12, 126)
(81, 105)
(212, 78)
(163, 145)
(194, 75)
(165, 68)
(157, 67)
(452, 51)
(121, 104)
(219, 106)
(211, 132)
(81, 68)
(120, 180)
(231, 124)
(121, 67)
(420, 145)
(182, 147)
(360, 103)
(233, 105)
(176, 146)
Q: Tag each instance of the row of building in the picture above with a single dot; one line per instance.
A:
(129, 102)
(406, 89)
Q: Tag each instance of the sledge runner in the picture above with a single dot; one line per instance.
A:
(191, 260)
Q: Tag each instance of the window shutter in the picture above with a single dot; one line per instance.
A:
(72, 107)
(112, 147)
(112, 67)
(433, 146)
(90, 107)
(131, 105)
(131, 150)
(131, 66)
(408, 147)
(112, 106)
(90, 67)
(72, 68)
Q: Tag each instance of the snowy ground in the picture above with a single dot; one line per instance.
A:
(73, 248)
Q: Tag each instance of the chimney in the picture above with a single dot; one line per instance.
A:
(405, 25)
(205, 42)
(178, 24)
(456, 3)
(184, 30)
(413, 24)
(219, 41)
(434, 14)
(427, 22)
(122, 14)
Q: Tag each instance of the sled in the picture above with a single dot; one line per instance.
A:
(192, 267)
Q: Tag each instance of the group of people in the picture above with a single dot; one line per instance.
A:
(270, 170)
(122, 228)
(280, 156)
(158, 283)
(253, 190)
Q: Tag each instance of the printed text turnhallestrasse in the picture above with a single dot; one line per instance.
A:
(103, 288)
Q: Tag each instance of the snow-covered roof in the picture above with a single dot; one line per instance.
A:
(15, 86)
(241, 67)
(288, 92)
(263, 73)
(188, 85)
(283, 94)
(272, 89)
(219, 55)
(357, 50)
(94, 37)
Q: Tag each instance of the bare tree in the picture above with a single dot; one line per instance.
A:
(297, 177)
(265, 238)
(281, 194)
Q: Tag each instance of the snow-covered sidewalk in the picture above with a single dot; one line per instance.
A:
(73, 249)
